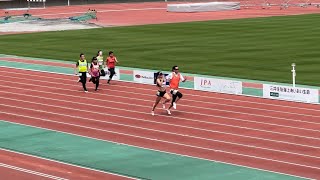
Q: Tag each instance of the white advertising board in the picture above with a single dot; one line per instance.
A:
(290, 93)
(218, 85)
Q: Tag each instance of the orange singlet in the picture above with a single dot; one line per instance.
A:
(174, 82)
(111, 62)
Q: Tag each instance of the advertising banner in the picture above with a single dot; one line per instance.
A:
(145, 77)
(218, 85)
(290, 93)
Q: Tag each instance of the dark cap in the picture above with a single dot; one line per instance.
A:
(175, 68)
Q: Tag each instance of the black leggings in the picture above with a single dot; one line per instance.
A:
(174, 96)
(112, 73)
(95, 80)
(83, 79)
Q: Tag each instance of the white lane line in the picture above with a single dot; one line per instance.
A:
(168, 142)
(209, 97)
(31, 172)
(141, 147)
(127, 110)
(194, 101)
(194, 107)
(147, 129)
(240, 127)
(194, 128)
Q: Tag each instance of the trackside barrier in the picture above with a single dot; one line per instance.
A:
(268, 90)
(263, 89)
(218, 85)
(290, 93)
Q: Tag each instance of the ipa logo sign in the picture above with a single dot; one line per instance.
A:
(218, 85)
(205, 83)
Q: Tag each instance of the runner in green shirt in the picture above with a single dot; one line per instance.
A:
(101, 62)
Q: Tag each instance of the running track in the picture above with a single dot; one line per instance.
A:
(19, 166)
(271, 135)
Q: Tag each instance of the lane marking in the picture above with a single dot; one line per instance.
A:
(147, 129)
(229, 99)
(236, 112)
(162, 141)
(196, 101)
(31, 172)
(221, 132)
(140, 147)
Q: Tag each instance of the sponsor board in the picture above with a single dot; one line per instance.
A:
(290, 93)
(145, 77)
(217, 85)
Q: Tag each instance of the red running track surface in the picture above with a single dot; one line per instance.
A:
(19, 166)
(125, 14)
(260, 133)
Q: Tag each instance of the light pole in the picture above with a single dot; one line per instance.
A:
(293, 74)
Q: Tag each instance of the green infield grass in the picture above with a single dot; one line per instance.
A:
(258, 48)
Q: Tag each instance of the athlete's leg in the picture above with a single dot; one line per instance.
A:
(155, 104)
(178, 97)
(84, 81)
(174, 97)
(93, 79)
(97, 82)
(167, 99)
(112, 73)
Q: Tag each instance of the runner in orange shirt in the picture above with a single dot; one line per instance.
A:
(174, 79)
(111, 64)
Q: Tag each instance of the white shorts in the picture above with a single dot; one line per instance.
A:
(173, 91)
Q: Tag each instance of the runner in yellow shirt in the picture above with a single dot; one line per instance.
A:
(81, 69)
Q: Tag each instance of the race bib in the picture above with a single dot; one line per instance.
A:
(95, 73)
